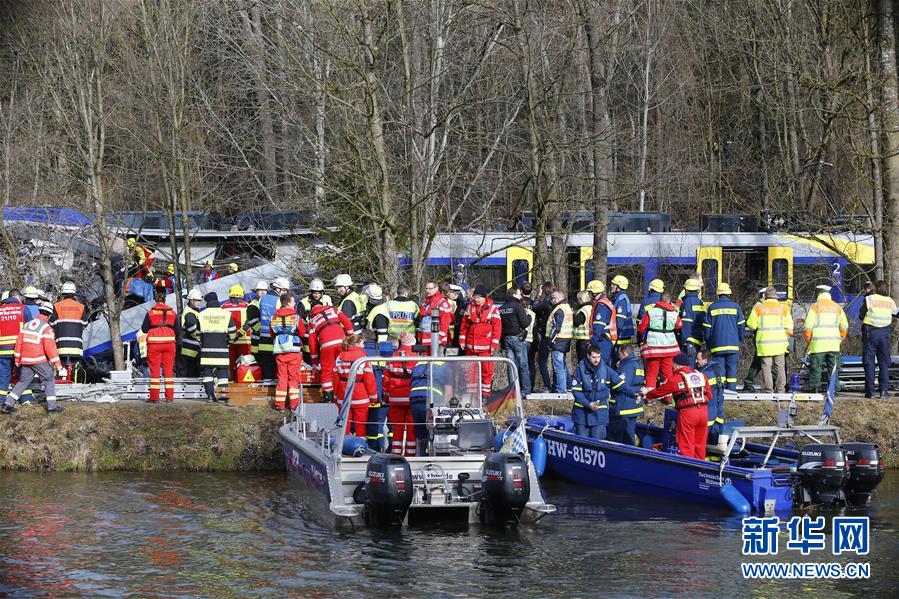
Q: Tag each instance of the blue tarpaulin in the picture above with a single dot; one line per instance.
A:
(65, 217)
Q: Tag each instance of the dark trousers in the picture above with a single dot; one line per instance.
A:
(623, 430)
(877, 348)
(419, 414)
(542, 359)
(580, 348)
(215, 376)
(828, 360)
(266, 361)
(188, 367)
(730, 360)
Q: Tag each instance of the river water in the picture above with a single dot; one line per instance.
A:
(217, 535)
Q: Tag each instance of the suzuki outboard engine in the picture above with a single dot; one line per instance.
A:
(388, 490)
(505, 488)
(865, 471)
(822, 471)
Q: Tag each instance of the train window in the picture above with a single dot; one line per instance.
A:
(492, 277)
(855, 276)
(674, 276)
(806, 277)
(780, 274)
(520, 272)
(709, 279)
(634, 274)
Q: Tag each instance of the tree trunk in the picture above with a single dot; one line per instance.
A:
(890, 105)
(383, 200)
(873, 113)
(600, 131)
(253, 27)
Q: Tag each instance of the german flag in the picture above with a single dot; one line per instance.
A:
(500, 399)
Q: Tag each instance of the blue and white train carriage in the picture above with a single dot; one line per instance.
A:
(793, 263)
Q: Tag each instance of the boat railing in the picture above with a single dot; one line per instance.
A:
(742, 434)
(432, 361)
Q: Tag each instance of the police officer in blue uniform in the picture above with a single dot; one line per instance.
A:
(713, 371)
(431, 381)
(725, 327)
(626, 404)
(590, 386)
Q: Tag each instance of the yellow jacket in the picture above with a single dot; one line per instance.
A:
(825, 326)
(773, 326)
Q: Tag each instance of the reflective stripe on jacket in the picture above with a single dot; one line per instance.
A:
(773, 324)
(826, 326)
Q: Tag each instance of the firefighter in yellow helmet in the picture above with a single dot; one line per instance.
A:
(240, 345)
(624, 313)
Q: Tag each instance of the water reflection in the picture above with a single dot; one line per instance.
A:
(221, 535)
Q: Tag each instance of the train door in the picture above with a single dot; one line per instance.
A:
(708, 264)
(587, 270)
(519, 264)
(780, 271)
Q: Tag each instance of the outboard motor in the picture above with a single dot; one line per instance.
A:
(822, 471)
(865, 471)
(388, 490)
(505, 487)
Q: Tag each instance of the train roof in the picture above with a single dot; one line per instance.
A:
(858, 248)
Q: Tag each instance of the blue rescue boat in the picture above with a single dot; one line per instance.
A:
(754, 471)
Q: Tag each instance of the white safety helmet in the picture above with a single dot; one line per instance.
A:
(260, 284)
(30, 292)
(374, 291)
(194, 295)
(316, 285)
(281, 283)
(68, 288)
(343, 281)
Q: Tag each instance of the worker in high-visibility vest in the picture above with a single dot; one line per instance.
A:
(773, 326)
(653, 294)
(604, 325)
(877, 315)
(826, 326)
(188, 334)
(583, 324)
(216, 327)
(559, 331)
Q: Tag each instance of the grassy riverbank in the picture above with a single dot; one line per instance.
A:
(198, 437)
(131, 436)
(864, 420)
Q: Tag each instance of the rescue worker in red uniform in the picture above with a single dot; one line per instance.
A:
(208, 275)
(397, 383)
(288, 330)
(12, 319)
(658, 331)
(327, 330)
(365, 389)
(241, 345)
(159, 326)
(434, 305)
(689, 390)
(36, 356)
(480, 333)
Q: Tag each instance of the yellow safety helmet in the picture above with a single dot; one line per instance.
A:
(657, 285)
(621, 281)
(132, 242)
(596, 286)
(208, 263)
(233, 266)
(236, 291)
(171, 269)
(691, 285)
(724, 289)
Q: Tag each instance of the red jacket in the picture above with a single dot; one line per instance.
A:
(676, 390)
(435, 306)
(398, 378)
(327, 328)
(36, 344)
(365, 391)
(12, 317)
(481, 328)
(159, 324)
(668, 346)
(238, 310)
